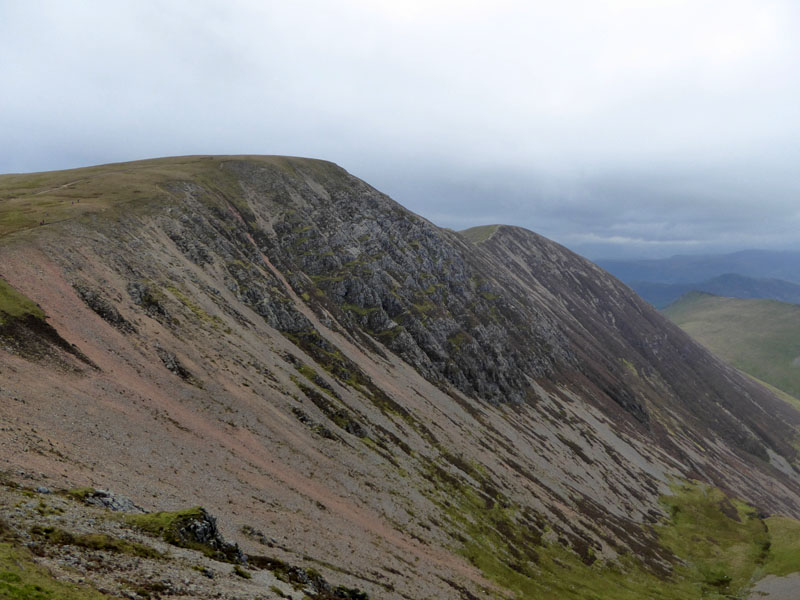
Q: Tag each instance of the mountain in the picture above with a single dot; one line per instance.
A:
(359, 397)
(760, 337)
(784, 265)
(729, 285)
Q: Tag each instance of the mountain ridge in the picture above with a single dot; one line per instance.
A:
(344, 370)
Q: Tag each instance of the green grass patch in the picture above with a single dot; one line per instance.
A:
(722, 539)
(458, 340)
(45, 509)
(22, 579)
(721, 547)
(359, 310)
(28, 200)
(198, 312)
(80, 493)
(238, 570)
(630, 367)
(307, 372)
(192, 528)
(387, 336)
(277, 591)
(14, 305)
(164, 524)
(424, 307)
(784, 549)
(479, 234)
(759, 337)
(168, 526)
(561, 575)
(95, 541)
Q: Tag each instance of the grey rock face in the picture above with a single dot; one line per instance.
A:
(413, 287)
(148, 298)
(111, 501)
(107, 311)
(488, 319)
(202, 531)
(172, 363)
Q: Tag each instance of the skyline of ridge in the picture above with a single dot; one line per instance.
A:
(618, 129)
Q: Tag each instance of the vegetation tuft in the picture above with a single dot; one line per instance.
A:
(22, 579)
(94, 541)
(720, 547)
(14, 305)
(80, 493)
(192, 528)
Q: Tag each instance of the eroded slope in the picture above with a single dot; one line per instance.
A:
(277, 341)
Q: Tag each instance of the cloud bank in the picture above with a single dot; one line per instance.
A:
(615, 127)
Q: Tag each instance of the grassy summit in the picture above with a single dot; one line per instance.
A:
(31, 200)
(479, 234)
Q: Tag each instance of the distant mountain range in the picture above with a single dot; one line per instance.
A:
(688, 269)
(731, 285)
(745, 274)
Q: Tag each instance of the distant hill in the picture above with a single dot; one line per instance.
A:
(691, 268)
(730, 285)
(760, 337)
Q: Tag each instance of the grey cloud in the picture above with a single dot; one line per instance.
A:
(612, 127)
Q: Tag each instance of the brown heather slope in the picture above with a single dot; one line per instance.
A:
(403, 409)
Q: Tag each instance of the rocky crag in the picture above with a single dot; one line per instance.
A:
(410, 411)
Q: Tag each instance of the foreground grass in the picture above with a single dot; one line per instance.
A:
(561, 575)
(784, 551)
(722, 540)
(720, 547)
(95, 541)
(22, 579)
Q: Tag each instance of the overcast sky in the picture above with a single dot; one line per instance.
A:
(616, 127)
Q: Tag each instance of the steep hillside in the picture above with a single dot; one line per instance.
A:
(760, 337)
(407, 410)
